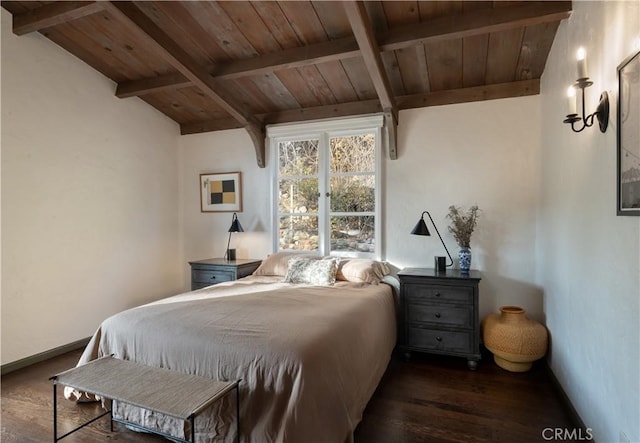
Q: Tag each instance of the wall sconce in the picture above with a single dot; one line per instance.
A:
(230, 254)
(583, 82)
(440, 263)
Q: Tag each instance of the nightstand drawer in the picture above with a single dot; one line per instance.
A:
(446, 315)
(435, 340)
(211, 277)
(447, 294)
(212, 271)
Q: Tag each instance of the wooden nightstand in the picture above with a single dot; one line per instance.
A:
(439, 313)
(216, 270)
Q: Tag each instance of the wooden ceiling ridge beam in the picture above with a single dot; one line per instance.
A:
(363, 32)
(438, 98)
(461, 25)
(134, 19)
(53, 14)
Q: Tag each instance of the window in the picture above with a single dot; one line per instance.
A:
(326, 186)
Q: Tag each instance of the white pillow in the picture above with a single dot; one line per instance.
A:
(362, 270)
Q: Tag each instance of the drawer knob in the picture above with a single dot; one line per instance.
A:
(437, 294)
(439, 338)
(437, 315)
(213, 277)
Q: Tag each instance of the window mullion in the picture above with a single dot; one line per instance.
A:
(324, 222)
(275, 201)
(378, 196)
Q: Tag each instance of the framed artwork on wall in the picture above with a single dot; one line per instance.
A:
(628, 186)
(221, 192)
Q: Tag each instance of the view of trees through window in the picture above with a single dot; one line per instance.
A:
(298, 194)
(346, 178)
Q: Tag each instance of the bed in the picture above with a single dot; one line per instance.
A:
(309, 356)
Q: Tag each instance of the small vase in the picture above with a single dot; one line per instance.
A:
(515, 340)
(464, 257)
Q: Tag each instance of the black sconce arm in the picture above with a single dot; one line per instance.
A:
(601, 113)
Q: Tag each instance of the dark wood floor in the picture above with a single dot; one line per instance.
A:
(429, 399)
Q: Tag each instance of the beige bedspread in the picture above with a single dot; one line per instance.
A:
(309, 357)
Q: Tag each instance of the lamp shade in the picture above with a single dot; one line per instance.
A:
(421, 228)
(235, 224)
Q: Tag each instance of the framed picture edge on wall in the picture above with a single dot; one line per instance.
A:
(628, 71)
(221, 192)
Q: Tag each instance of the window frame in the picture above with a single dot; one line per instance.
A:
(323, 131)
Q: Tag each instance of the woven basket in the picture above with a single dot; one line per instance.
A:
(515, 340)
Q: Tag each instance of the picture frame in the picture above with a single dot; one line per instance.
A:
(221, 192)
(628, 136)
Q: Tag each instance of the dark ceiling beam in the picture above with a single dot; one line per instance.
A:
(473, 94)
(289, 58)
(52, 14)
(134, 19)
(219, 124)
(453, 96)
(462, 25)
(322, 52)
(323, 112)
(363, 32)
(149, 85)
(288, 116)
(476, 22)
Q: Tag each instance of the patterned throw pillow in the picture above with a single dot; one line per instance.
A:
(312, 271)
(278, 263)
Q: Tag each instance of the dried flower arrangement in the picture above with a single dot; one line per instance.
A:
(462, 225)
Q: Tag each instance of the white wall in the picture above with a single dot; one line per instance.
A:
(89, 198)
(205, 233)
(482, 153)
(588, 258)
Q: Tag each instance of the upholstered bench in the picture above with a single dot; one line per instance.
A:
(160, 390)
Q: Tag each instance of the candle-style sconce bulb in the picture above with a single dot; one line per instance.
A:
(602, 111)
(581, 57)
(571, 100)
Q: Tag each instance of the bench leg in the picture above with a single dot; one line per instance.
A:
(238, 412)
(55, 413)
(193, 429)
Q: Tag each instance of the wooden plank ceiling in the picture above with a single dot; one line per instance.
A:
(237, 64)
